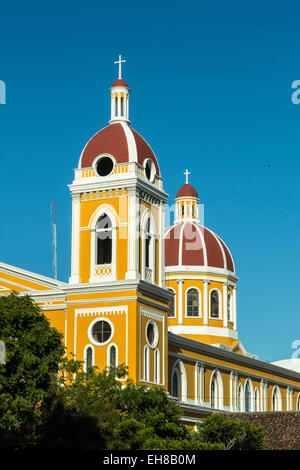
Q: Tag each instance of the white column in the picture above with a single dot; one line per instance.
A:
(75, 278)
(180, 302)
(225, 313)
(201, 384)
(205, 302)
(196, 379)
(261, 408)
(232, 390)
(234, 308)
(93, 255)
(162, 246)
(119, 104)
(133, 236)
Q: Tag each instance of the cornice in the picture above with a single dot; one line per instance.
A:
(213, 351)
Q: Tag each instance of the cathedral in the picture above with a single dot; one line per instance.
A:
(161, 300)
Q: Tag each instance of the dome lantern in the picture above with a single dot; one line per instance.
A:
(119, 98)
(187, 203)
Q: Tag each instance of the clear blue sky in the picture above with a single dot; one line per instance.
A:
(211, 91)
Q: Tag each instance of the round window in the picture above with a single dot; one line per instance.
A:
(149, 169)
(152, 334)
(104, 166)
(101, 331)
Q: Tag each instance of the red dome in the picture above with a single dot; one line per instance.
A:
(187, 191)
(120, 141)
(191, 244)
(120, 82)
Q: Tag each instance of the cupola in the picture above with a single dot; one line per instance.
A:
(187, 203)
(119, 98)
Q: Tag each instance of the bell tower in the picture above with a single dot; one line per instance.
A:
(118, 205)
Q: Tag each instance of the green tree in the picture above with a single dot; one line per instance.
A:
(33, 353)
(233, 434)
(147, 414)
(80, 410)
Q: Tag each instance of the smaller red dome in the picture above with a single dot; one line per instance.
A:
(120, 82)
(187, 191)
(192, 244)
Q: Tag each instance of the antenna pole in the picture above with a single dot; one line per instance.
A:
(54, 241)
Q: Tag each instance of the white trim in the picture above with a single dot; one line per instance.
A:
(131, 144)
(99, 157)
(101, 313)
(90, 336)
(240, 398)
(156, 316)
(108, 354)
(203, 330)
(298, 402)
(220, 389)
(175, 372)
(278, 406)
(157, 366)
(180, 301)
(104, 209)
(30, 276)
(175, 298)
(256, 400)
(220, 317)
(152, 169)
(181, 243)
(199, 302)
(156, 334)
(84, 356)
(111, 213)
(146, 361)
(183, 379)
(249, 381)
(200, 270)
(147, 215)
(203, 244)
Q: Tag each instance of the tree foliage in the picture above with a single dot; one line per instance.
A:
(233, 434)
(90, 409)
(33, 353)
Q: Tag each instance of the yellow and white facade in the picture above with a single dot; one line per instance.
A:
(160, 300)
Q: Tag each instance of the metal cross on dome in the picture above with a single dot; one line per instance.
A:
(120, 62)
(187, 173)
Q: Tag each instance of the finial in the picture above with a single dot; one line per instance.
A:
(120, 62)
(187, 173)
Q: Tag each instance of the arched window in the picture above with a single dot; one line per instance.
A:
(113, 356)
(156, 366)
(247, 397)
(229, 306)
(89, 357)
(149, 249)
(104, 240)
(214, 393)
(148, 239)
(256, 400)
(215, 304)
(276, 406)
(192, 303)
(171, 311)
(240, 397)
(146, 363)
(176, 384)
